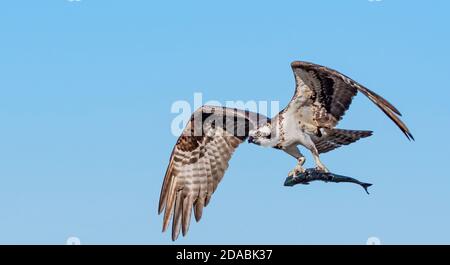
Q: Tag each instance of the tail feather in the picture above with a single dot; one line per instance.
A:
(335, 138)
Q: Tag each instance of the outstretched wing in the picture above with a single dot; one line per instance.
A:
(323, 95)
(199, 161)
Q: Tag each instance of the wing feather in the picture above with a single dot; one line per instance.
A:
(187, 211)
(176, 224)
(198, 162)
(323, 95)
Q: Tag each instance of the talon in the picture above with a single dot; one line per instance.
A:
(300, 171)
(296, 171)
(301, 161)
(322, 169)
(298, 168)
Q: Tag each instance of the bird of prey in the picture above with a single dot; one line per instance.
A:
(201, 155)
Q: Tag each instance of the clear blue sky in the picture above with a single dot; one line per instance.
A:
(86, 90)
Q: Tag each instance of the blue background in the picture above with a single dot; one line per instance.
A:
(86, 90)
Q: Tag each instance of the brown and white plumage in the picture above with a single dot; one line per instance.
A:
(199, 160)
(200, 157)
(323, 95)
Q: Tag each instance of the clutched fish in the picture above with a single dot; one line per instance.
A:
(312, 174)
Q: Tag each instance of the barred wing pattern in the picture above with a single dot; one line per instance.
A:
(323, 95)
(199, 161)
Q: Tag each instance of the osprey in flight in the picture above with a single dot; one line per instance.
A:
(201, 155)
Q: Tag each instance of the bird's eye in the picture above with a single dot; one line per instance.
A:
(258, 134)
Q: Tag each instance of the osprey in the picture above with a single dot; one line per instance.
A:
(201, 155)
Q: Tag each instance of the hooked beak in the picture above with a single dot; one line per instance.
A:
(251, 140)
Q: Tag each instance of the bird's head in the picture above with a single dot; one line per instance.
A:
(264, 136)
